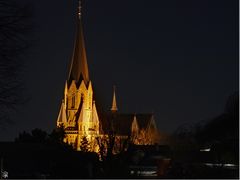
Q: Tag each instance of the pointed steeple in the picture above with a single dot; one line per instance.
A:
(62, 117)
(114, 102)
(79, 67)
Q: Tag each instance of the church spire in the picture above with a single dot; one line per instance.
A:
(114, 102)
(79, 67)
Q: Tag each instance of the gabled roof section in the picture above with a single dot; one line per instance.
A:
(122, 123)
(95, 114)
(79, 68)
(144, 120)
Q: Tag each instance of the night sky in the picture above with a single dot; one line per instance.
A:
(178, 59)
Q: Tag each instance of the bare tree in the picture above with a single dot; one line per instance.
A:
(111, 144)
(15, 26)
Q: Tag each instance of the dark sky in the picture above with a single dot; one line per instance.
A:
(178, 59)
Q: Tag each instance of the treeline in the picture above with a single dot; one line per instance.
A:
(39, 136)
(220, 134)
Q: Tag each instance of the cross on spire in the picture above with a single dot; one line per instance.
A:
(79, 67)
(79, 9)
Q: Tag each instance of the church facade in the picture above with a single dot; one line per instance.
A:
(78, 113)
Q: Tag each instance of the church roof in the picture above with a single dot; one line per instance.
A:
(79, 68)
(122, 123)
(143, 120)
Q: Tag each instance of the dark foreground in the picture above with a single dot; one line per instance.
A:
(36, 160)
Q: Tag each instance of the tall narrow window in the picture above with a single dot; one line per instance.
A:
(73, 101)
(89, 100)
(82, 96)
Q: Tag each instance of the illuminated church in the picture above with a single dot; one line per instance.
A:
(78, 113)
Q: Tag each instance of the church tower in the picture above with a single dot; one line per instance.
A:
(78, 114)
